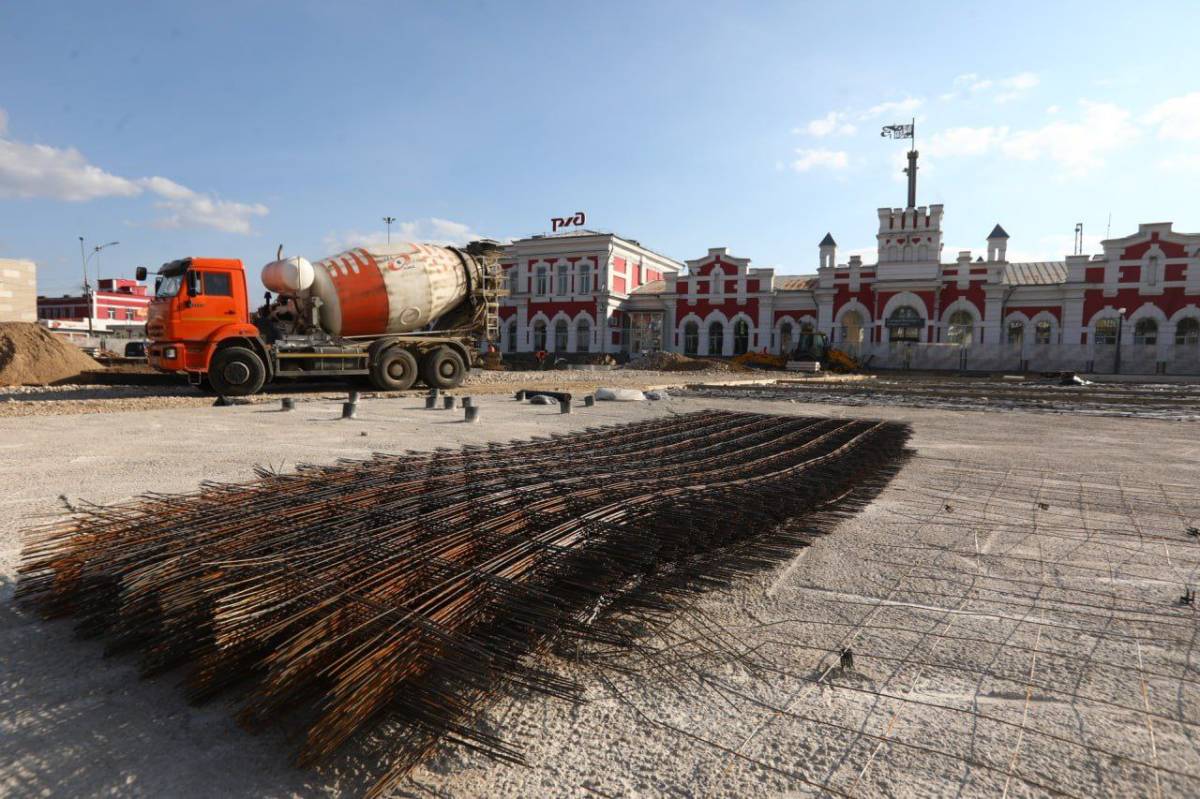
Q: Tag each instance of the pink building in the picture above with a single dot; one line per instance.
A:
(1135, 307)
(115, 302)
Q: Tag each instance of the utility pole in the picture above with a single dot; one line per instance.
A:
(388, 220)
(87, 290)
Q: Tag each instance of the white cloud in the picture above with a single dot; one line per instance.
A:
(39, 170)
(431, 230)
(1076, 146)
(903, 107)
(834, 122)
(1177, 118)
(36, 170)
(187, 208)
(830, 159)
(1016, 86)
(1186, 162)
(1053, 109)
(964, 141)
(1006, 88)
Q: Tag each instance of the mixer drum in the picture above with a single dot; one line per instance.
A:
(386, 288)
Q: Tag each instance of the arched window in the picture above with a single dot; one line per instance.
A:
(786, 343)
(852, 327)
(560, 335)
(716, 338)
(905, 324)
(583, 335)
(539, 336)
(962, 328)
(1145, 332)
(1016, 332)
(1187, 332)
(1106, 332)
(691, 338)
(741, 337)
(512, 336)
(1042, 332)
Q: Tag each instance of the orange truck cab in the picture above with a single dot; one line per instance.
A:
(199, 317)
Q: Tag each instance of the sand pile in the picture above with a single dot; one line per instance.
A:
(31, 355)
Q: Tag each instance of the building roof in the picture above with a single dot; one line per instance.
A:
(653, 287)
(795, 282)
(998, 232)
(828, 241)
(1035, 273)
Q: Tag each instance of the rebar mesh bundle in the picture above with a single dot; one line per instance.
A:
(412, 588)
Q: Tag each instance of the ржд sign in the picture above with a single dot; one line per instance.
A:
(566, 221)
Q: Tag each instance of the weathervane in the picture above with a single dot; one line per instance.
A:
(908, 131)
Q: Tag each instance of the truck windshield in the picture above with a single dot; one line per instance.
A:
(168, 285)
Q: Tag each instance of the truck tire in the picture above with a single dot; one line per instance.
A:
(395, 370)
(237, 372)
(442, 367)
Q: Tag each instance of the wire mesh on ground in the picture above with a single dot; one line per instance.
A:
(410, 590)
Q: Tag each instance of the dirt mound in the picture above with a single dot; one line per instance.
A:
(674, 362)
(31, 355)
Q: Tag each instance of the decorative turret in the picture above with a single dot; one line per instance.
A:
(997, 244)
(828, 252)
(912, 235)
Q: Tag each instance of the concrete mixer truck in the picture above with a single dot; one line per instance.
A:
(394, 314)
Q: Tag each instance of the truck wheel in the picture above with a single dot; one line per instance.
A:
(395, 370)
(443, 368)
(237, 372)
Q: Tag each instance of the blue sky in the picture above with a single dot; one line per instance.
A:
(224, 129)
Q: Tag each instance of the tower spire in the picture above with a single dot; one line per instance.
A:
(908, 131)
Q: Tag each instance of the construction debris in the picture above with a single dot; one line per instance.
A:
(619, 394)
(409, 590)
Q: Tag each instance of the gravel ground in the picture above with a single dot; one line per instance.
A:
(1011, 602)
(76, 399)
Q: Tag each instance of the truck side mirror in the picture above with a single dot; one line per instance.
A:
(140, 273)
(193, 283)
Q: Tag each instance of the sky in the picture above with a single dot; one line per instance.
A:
(226, 129)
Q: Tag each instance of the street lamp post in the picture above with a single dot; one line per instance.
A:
(388, 220)
(87, 286)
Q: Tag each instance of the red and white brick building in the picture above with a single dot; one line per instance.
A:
(595, 292)
(117, 303)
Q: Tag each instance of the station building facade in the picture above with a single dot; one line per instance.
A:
(1135, 307)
